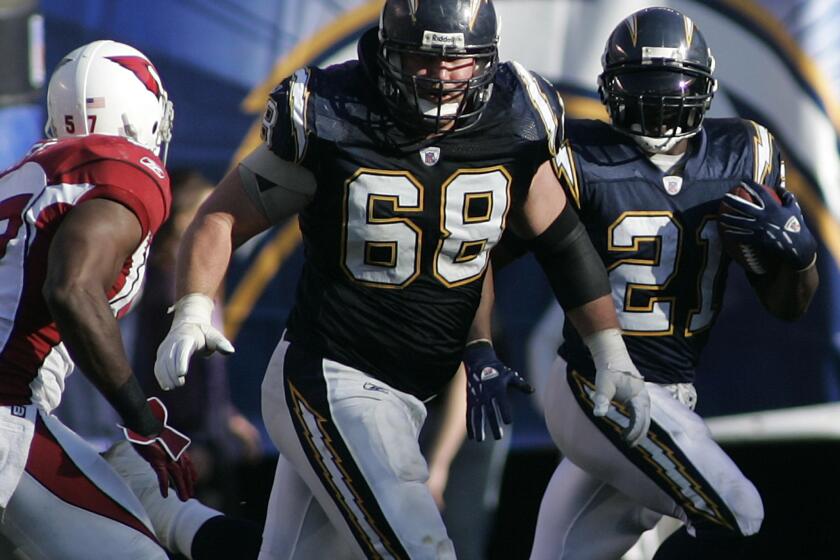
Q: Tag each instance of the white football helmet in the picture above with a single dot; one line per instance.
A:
(107, 87)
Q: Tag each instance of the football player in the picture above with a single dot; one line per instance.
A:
(78, 215)
(648, 186)
(405, 166)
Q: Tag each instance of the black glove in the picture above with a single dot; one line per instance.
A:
(487, 387)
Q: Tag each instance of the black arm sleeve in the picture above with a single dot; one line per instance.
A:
(570, 262)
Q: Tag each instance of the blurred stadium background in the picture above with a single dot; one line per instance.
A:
(770, 389)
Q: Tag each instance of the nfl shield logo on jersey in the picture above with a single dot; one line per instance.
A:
(673, 184)
(430, 156)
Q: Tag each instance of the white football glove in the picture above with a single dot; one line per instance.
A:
(191, 332)
(616, 377)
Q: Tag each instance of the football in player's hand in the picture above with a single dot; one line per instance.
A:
(737, 246)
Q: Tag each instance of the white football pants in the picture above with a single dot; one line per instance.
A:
(604, 494)
(71, 504)
(349, 455)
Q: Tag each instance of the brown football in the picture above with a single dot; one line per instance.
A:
(751, 258)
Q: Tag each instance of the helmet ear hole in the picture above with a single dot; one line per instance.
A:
(154, 128)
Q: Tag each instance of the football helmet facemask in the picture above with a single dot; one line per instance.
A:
(657, 78)
(411, 31)
(110, 88)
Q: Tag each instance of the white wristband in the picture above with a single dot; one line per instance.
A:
(193, 308)
(608, 350)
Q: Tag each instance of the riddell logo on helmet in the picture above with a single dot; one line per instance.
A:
(141, 68)
(667, 53)
(451, 40)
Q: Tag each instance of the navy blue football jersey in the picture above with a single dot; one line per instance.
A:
(398, 233)
(657, 233)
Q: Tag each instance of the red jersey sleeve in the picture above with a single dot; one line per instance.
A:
(122, 182)
(116, 169)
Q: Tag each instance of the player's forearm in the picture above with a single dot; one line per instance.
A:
(596, 315)
(204, 255)
(91, 334)
(787, 294)
(481, 327)
(453, 430)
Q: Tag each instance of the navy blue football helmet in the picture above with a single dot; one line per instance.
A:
(657, 77)
(448, 29)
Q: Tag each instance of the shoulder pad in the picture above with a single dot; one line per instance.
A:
(117, 168)
(585, 132)
(63, 156)
(311, 105)
(285, 120)
(598, 141)
(546, 103)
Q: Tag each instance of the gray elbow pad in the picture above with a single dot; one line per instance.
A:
(275, 185)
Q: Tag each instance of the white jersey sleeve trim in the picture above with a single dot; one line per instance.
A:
(298, 100)
(540, 103)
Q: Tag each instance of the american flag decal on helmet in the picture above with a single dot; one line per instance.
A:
(143, 69)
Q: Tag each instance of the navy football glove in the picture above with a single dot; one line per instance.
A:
(776, 229)
(165, 453)
(488, 380)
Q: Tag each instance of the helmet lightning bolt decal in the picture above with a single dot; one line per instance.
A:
(689, 31)
(632, 25)
(141, 68)
(475, 6)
